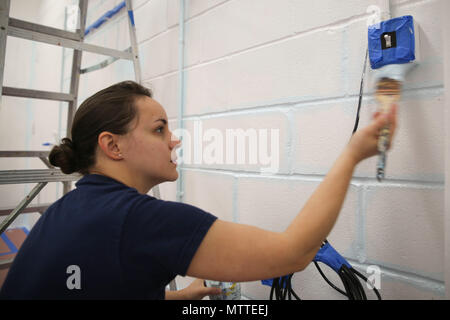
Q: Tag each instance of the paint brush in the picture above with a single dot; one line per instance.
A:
(387, 93)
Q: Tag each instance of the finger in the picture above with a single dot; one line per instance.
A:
(376, 115)
(394, 123)
(212, 291)
(379, 123)
(393, 118)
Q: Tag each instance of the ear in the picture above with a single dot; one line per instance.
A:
(108, 143)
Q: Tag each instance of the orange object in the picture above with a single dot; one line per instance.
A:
(10, 243)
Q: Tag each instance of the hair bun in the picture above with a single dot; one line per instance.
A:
(64, 157)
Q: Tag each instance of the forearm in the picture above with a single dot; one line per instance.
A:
(316, 219)
(175, 295)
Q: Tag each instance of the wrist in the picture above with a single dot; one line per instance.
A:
(351, 156)
(175, 295)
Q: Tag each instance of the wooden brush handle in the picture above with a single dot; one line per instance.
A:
(386, 102)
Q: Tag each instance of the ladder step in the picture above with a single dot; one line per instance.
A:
(25, 25)
(35, 176)
(67, 43)
(37, 94)
(102, 64)
(6, 264)
(31, 208)
(24, 154)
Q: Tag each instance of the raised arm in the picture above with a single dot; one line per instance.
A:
(238, 252)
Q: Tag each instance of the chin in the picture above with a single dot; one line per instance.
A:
(175, 176)
(172, 177)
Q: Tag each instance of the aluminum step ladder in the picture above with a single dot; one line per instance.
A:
(74, 40)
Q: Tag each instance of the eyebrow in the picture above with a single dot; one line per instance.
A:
(163, 120)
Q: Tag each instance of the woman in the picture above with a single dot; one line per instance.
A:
(108, 239)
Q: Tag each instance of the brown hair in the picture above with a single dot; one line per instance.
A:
(111, 109)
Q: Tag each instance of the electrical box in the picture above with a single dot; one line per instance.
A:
(393, 41)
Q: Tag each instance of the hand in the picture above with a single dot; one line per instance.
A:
(364, 143)
(195, 291)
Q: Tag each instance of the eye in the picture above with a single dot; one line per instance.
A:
(160, 129)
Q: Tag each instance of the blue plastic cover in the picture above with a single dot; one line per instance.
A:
(403, 52)
(328, 255)
(269, 282)
(331, 257)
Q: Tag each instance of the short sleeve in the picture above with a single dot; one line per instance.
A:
(164, 234)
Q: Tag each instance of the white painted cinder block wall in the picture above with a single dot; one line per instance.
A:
(295, 66)
(292, 66)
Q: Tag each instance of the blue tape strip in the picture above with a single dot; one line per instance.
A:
(9, 243)
(108, 15)
(130, 14)
(328, 255)
(25, 230)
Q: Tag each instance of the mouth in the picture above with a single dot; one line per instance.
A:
(173, 158)
(173, 155)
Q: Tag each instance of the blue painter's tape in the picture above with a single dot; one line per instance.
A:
(108, 15)
(130, 14)
(9, 243)
(328, 255)
(402, 52)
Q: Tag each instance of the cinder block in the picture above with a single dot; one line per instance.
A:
(196, 7)
(159, 55)
(26, 62)
(404, 229)
(284, 199)
(207, 88)
(138, 3)
(307, 15)
(165, 90)
(212, 192)
(321, 132)
(242, 24)
(298, 69)
(193, 35)
(173, 12)
(254, 142)
(417, 153)
(148, 27)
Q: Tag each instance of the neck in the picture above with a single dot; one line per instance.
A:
(127, 179)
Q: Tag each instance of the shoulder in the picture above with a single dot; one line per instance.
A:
(157, 208)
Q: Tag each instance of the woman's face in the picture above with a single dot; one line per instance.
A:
(149, 147)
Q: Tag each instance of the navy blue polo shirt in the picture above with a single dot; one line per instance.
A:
(104, 240)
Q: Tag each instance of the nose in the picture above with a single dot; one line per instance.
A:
(175, 142)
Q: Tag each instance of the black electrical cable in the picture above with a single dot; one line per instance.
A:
(282, 288)
(353, 289)
(328, 281)
(365, 280)
(361, 90)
